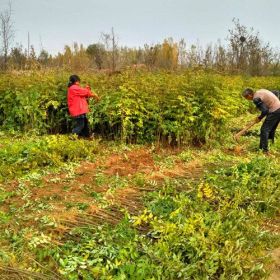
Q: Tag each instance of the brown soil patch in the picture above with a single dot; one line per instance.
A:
(192, 170)
(128, 164)
(59, 190)
(276, 268)
(57, 193)
(86, 173)
(273, 225)
(11, 186)
(70, 190)
(12, 273)
(237, 150)
(128, 198)
(168, 150)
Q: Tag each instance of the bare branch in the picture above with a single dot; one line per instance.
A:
(6, 32)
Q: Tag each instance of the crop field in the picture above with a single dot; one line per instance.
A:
(163, 191)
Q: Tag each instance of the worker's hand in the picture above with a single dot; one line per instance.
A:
(237, 137)
(97, 98)
(88, 87)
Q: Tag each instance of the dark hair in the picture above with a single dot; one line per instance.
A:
(247, 92)
(73, 79)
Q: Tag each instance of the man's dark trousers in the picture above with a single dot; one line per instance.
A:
(268, 129)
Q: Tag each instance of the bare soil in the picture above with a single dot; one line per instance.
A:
(275, 275)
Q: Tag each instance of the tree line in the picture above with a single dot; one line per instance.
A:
(243, 53)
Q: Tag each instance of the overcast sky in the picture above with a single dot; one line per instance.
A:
(54, 23)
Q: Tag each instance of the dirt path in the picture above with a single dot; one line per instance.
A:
(276, 267)
(273, 225)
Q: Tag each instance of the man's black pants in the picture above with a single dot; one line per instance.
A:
(268, 129)
(81, 127)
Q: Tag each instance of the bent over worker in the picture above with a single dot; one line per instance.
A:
(269, 105)
(78, 106)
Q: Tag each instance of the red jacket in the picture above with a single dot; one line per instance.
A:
(76, 98)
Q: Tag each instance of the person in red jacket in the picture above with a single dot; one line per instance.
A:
(78, 106)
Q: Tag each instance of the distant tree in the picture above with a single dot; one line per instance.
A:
(97, 53)
(193, 56)
(17, 58)
(127, 56)
(151, 55)
(275, 65)
(220, 57)
(168, 54)
(64, 60)
(81, 60)
(111, 46)
(32, 62)
(247, 52)
(6, 33)
(44, 57)
(182, 53)
(140, 56)
(208, 57)
(32, 54)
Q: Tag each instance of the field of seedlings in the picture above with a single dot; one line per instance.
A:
(163, 191)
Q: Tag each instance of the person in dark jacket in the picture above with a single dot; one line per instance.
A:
(269, 105)
(78, 106)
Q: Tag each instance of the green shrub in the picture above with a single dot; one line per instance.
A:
(23, 154)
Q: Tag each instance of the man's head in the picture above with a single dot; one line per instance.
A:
(248, 93)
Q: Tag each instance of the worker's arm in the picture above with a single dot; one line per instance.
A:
(262, 107)
(83, 92)
(93, 94)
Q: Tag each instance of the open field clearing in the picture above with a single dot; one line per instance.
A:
(136, 211)
(163, 191)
